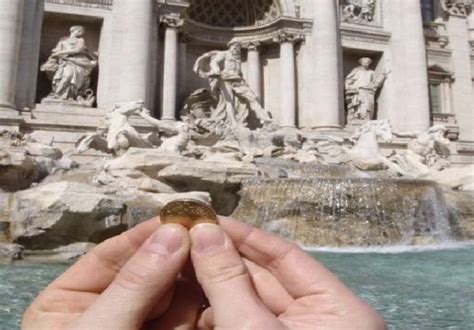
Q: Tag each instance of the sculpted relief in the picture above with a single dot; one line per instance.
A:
(69, 68)
(360, 87)
(359, 10)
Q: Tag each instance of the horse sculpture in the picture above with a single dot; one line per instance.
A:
(366, 154)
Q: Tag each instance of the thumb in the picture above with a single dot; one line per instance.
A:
(226, 282)
(142, 283)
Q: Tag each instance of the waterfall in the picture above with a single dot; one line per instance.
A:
(346, 211)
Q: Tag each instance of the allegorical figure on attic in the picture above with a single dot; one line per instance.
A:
(361, 85)
(235, 98)
(69, 67)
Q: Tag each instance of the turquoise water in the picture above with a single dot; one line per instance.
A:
(412, 290)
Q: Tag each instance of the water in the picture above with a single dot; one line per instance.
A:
(412, 289)
(350, 211)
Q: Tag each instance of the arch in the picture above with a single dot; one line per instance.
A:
(239, 13)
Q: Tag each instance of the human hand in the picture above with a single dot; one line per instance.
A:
(127, 282)
(254, 280)
(121, 285)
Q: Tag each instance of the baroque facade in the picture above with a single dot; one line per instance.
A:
(314, 65)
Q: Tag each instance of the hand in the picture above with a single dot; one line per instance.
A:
(275, 285)
(130, 281)
(124, 283)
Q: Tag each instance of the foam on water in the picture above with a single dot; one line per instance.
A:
(392, 249)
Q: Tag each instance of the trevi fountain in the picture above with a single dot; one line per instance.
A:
(80, 162)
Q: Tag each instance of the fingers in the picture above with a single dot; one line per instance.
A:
(184, 309)
(270, 291)
(298, 272)
(225, 280)
(104, 262)
(142, 282)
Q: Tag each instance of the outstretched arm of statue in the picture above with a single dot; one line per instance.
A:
(145, 114)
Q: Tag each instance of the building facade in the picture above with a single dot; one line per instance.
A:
(297, 55)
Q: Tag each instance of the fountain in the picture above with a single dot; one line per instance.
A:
(315, 188)
(347, 211)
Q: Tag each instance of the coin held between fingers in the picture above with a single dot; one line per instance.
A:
(188, 213)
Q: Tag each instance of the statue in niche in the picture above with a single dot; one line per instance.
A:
(69, 68)
(361, 85)
(235, 100)
(359, 10)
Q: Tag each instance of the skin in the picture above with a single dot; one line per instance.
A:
(252, 280)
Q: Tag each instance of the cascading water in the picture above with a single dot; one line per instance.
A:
(346, 211)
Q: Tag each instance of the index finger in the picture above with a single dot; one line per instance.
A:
(96, 270)
(298, 272)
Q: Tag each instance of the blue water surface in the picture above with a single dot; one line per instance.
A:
(412, 290)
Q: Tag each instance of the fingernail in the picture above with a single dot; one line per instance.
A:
(206, 236)
(167, 240)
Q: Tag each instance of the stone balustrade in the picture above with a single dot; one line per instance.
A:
(83, 3)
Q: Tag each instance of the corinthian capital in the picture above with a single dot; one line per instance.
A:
(288, 37)
(172, 21)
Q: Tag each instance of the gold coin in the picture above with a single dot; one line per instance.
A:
(188, 213)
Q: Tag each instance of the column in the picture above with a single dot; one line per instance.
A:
(27, 78)
(254, 69)
(170, 68)
(287, 115)
(11, 20)
(320, 81)
(132, 45)
(408, 79)
(462, 89)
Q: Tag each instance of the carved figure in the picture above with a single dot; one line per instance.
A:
(235, 98)
(426, 152)
(361, 85)
(69, 68)
(117, 134)
(366, 154)
(359, 10)
(455, 7)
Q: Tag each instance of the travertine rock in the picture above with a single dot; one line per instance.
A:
(61, 213)
(10, 252)
(73, 251)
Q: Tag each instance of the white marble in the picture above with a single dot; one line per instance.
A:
(170, 73)
(409, 99)
(254, 69)
(11, 19)
(287, 84)
(462, 87)
(29, 54)
(132, 23)
(321, 102)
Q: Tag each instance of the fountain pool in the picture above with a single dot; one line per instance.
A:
(413, 288)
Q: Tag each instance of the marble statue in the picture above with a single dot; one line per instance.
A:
(359, 10)
(361, 85)
(235, 98)
(69, 68)
(426, 152)
(117, 133)
(366, 153)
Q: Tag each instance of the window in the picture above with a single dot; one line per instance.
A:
(435, 98)
(428, 10)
